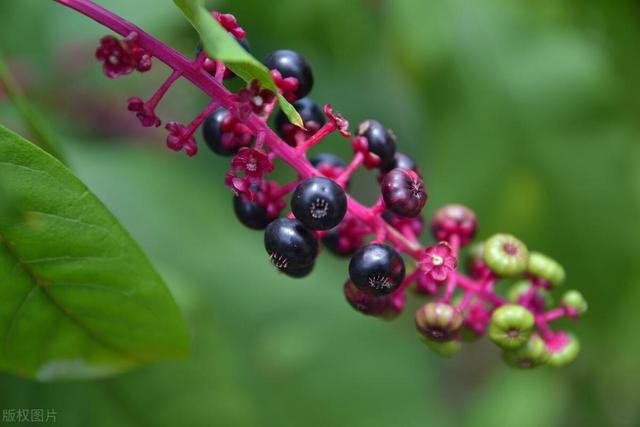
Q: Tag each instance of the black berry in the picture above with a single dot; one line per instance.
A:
(377, 269)
(309, 111)
(327, 159)
(297, 273)
(292, 64)
(403, 161)
(290, 245)
(250, 214)
(319, 203)
(212, 133)
(403, 192)
(380, 141)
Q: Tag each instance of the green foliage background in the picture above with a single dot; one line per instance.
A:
(526, 111)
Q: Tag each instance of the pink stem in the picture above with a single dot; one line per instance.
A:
(324, 131)
(195, 123)
(350, 169)
(478, 289)
(552, 315)
(157, 96)
(220, 69)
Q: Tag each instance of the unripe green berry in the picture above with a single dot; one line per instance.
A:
(505, 255)
(445, 349)
(575, 300)
(567, 354)
(511, 326)
(545, 268)
(475, 253)
(534, 353)
(438, 321)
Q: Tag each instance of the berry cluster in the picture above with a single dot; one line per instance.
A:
(382, 241)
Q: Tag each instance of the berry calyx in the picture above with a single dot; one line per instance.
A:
(511, 326)
(319, 203)
(574, 300)
(403, 192)
(377, 269)
(438, 321)
(563, 349)
(505, 255)
(438, 261)
(250, 213)
(543, 267)
(380, 142)
(454, 220)
(291, 64)
(532, 354)
(290, 245)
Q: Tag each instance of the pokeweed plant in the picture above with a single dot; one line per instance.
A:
(382, 241)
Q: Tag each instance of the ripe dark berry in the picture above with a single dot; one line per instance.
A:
(298, 273)
(403, 161)
(377, 269)
(327, 159)
(290, 245)
(250, 214)
(292, 64)
(319, 203)
(311, 115)
(403, 192)
(212, 133)
(380, 142)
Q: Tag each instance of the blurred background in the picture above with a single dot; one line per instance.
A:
(528, 112)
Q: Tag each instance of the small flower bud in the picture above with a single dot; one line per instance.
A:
(438, 321)
(534, 353)
(543, 267)
(574, 299)
(505, 255)
(475, 265)
(511, 326)
(563, 349)
(444, 349)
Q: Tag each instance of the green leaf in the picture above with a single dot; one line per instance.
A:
(221, 45)
(78, 298)
(39, 129)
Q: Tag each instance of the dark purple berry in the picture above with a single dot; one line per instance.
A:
(309, 111)
(403, 192)
(212, 133)
(403, 161)
(380, 141)
(319, 203)
(250, 214)
(327, 159)
(298, 273)
(377, 269)
(290, 245)
(292, 64)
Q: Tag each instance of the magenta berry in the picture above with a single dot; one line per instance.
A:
(438, 321)
(377, 269)
(454, 220)
(290, 245)
(319, 203)
(236, 124)
(291, 64)
(403, 192)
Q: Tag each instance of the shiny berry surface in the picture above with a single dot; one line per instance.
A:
(291, 64)
(212, 133)
(290, 245)
(309, 111)
(380, 142)
(319, 203)
(250, 213)
(404, 192)
(377, 269)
